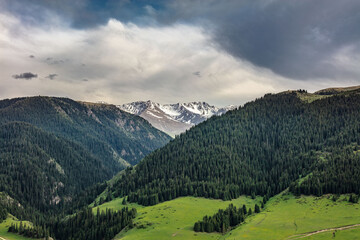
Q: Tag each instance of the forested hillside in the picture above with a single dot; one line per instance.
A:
(38, 167)
(258, 149)
(52, 148)
(102, 129)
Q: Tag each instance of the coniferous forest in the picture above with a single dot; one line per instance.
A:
(179, 119)
(258, 149)
(52, 148)
(87, 225)
(286, 140)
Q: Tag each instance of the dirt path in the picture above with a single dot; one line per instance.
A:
(262, 219)
(1, 238)
(303, 235)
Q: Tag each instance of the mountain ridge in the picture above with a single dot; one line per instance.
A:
(67, 146)
(174, 118)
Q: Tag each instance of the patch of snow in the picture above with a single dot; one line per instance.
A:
(169, 110)
(152, 114)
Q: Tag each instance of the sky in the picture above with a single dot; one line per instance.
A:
(218, 51)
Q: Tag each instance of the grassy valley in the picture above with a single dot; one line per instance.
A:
(290, 217)
(174, 218)
(285, 216)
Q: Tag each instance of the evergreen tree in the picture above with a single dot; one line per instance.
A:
(257, 208)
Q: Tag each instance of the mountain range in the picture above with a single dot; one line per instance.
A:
(293, 150)
(174, 119)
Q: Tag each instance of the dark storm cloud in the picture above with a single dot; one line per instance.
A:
(51, 76)
(26, 76)
(294, 38)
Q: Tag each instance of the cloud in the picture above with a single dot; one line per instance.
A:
(51, 76)
(51, 61)
(126, 62)
(120, 62)
(292, 38)
(26, 76)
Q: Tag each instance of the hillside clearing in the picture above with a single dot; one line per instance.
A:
(4, 226)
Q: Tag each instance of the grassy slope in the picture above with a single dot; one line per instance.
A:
(176, 218)
(11, 236)
(286, 215)
(310, 97)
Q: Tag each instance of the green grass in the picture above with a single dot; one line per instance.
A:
(174, 219)
(286, 215)
(4, 226)
(351, 234)
(310, 97)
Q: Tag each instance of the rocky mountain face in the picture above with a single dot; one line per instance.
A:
(174, 118)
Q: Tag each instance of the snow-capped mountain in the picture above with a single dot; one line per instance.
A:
(174, 118)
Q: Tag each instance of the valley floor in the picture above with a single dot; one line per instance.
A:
(176, 218)
(285, 217)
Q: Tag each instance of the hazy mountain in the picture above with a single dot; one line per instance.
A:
(174, 118)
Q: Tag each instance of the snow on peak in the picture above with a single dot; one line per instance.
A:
(190, 113)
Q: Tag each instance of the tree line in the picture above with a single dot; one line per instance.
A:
(30, 232)
(87, 225)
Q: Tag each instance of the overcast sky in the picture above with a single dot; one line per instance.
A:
(219, 51)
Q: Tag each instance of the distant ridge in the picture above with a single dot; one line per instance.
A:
(335, 90)
(174, 118)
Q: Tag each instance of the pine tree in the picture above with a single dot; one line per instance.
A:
(244, 209)
(257, 208)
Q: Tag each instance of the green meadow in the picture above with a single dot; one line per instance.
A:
(174, 219)
(4, 226)
(284, 217)
(287, 217)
